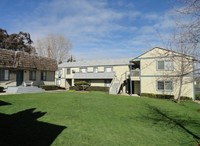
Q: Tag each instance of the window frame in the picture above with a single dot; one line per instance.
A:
(108, 67)
(164, 85)
(83, 68)
(4, 75)
(31, 75)
(165, 68)
(43, 76)
(68, 71)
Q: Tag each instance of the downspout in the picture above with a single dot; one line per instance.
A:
(193, 96)
(130, 82)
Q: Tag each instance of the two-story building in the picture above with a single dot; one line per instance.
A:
(163, 71)
(157, 71)
(96, 72)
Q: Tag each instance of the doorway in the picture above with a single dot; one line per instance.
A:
(19, 77)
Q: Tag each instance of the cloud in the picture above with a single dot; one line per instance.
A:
(98, 28)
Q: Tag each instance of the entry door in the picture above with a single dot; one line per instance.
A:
(19, 77)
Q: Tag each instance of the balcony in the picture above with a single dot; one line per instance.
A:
(135, 75)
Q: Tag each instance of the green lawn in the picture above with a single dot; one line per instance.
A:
(96, 119)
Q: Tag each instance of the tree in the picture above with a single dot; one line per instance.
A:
(186, 39)
(17, 42)
(55, 46)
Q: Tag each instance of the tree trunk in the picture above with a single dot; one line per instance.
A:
(180, 89)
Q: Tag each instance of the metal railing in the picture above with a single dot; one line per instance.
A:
(135, 73)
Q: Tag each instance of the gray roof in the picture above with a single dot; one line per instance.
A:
(108, 62)
(103, 75)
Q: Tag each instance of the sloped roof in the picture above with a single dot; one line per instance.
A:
(23, 60)
(167, 50)
(107, 62)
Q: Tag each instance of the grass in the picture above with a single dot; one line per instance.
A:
(97, 119)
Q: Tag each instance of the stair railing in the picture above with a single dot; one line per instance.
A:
(112, 82)
(123, 77)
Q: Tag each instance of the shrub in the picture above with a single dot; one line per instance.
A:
(185, 98)
(91, 88)
(159, 96)
(1, 89)
(50, 87)
(197, 96)
(97, 88)
(82, 85)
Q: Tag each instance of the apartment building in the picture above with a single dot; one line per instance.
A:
(96, 72)
(157, 71)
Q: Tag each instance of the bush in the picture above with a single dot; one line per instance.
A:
(159, 96)
(197, 96)
(185, 98)
(1, 89)
(50, 87)
(82, 85)
(92, 88)
(97, 88)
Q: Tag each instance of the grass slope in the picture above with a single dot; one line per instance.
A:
(95, 118)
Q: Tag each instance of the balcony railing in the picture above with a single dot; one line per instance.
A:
(135, 73)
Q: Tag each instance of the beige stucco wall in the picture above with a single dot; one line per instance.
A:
(49, 78)
(150, 74)
(119, 70)
(12, 82)
(149, 85)
(99, 83)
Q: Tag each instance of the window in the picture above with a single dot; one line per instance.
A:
(4, 75)
(160, 65)
(83, 70)
(165, 65)
(108, 69)
(43, 76)
(68, 71)
(32, 75)
(164, 85)
(95, 69)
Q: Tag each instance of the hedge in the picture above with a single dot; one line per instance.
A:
(197, 96)
(164, 96)
(51, 87)
(91, 88)
(159, 96)
(1, 89)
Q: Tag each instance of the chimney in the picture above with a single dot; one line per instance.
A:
(49, 52)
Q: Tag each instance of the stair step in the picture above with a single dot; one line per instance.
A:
(21, 89)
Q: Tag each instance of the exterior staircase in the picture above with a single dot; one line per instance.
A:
(116, 84)
(22, 89)
(113, 89)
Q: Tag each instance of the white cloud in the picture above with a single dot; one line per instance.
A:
(96, 29)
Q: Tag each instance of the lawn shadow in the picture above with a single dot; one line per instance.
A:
(23, 129)
(2, 103)
(173, 121)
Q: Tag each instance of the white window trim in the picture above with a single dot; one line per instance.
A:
(165, 69)
(167, 90)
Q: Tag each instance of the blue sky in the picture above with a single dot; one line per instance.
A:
(98, 29)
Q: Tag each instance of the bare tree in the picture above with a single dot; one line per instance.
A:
(55, 46)
(186, 40)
